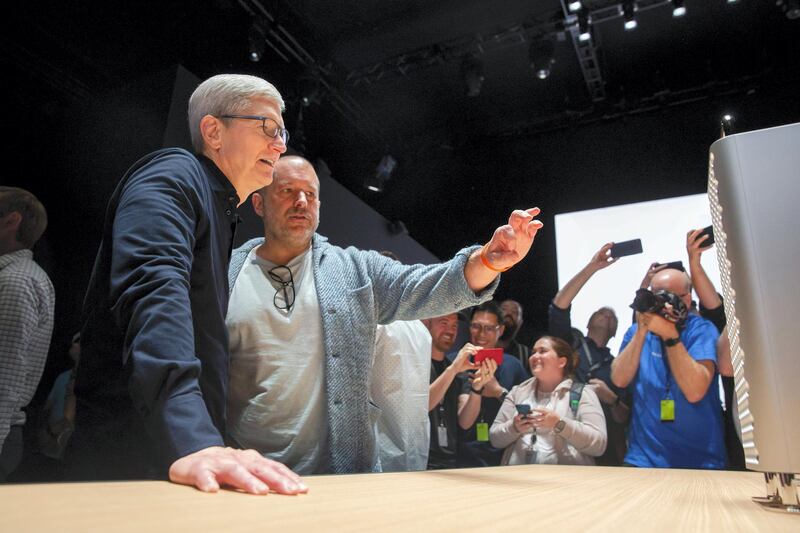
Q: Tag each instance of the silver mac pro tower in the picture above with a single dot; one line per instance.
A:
(754, 192)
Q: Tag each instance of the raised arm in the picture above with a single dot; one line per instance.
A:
(600, 260)
(460, 364)
(626, 364)
(700, 281)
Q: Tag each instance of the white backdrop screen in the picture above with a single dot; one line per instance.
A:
(661, 225)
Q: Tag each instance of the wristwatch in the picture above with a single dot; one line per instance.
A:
(672, 342)
(503, 396)
(559, 427)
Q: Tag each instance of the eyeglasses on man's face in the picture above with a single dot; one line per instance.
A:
(486, 328)
(271, 127)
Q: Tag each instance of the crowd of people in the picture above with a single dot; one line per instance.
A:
(290, 356)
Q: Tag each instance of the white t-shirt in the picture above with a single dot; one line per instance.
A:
(276, 399)
(399, 386)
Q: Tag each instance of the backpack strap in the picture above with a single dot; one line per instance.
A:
(575, 391)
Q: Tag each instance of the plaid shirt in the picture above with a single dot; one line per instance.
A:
(27, 301)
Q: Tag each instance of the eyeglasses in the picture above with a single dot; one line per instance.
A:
(286, 289)
(271, 128)
(486, 328)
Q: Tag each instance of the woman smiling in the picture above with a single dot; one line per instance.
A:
(553, 431)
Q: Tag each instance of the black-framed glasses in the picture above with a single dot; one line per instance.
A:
(279, 275)
(270, 126)
(486, 328)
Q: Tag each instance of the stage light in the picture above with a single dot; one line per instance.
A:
(678, 9)
(791, 8)
(383, 173)
(583, 26)
(732, 1)
(257, 42)
(541, 57)
(472, 72)
(727, 124)
(628, 10)
(574, 6)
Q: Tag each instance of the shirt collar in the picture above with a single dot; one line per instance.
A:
(220, 183)
(11, 257)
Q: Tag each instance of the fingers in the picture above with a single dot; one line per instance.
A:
(244, 470)
(595, 381)
(233, 474)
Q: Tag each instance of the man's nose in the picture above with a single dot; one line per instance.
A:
(278, 144)
(301, 199)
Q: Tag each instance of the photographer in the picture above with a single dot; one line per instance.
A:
(669, 357)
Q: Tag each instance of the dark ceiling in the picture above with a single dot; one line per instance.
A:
(389, 78)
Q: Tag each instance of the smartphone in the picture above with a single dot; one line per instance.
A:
(489, 353)
(523, 408)
(621, 249)
(676, 265)
(706, 231)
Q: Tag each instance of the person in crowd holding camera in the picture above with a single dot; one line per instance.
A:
(594, 357)
(550, 419)
(482, 396)
(669, 357)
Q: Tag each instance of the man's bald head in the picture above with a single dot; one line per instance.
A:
(675, 281)
(289, 163)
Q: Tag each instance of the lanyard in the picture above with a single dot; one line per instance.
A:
(668, 380)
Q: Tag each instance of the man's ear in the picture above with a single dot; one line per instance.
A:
(11, 221)
(501, 330)
(258, 203)
(211, 131)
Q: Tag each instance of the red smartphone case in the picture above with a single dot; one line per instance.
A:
(490, 353)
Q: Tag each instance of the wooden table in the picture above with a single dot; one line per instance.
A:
(519, 498)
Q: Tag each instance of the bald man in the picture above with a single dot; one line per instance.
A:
(676, 419)
(302, 320)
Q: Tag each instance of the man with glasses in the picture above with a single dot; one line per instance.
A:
(152, 385)
(676, 420)
(302, 347)
(481, 398)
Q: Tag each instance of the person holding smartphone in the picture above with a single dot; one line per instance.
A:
(564, 424)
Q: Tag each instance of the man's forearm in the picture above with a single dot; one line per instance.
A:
(478, 275)
(563, 298)
(468, 413)
(693, 378)
(439, 387)
(703, 286)
(626, 364)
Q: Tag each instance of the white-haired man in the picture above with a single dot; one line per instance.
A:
(152, 384)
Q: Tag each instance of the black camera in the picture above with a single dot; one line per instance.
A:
(664, 303)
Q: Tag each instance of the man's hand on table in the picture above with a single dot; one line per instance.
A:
(247, 470)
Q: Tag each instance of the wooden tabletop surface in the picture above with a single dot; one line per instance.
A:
(525, 498)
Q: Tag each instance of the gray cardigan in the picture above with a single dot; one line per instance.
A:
(358, 290)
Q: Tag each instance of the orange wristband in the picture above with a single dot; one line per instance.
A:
(487, 264)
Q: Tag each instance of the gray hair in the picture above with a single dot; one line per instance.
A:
(34, 215)
(226, 94)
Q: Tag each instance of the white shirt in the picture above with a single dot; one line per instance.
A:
(277, 399)
(399, 386)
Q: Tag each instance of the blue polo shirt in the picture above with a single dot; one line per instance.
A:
(695, 438)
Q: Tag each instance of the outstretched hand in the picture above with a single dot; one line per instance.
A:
(512, 242)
